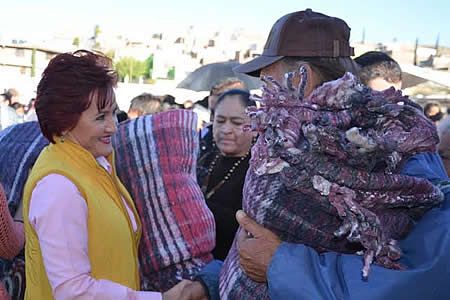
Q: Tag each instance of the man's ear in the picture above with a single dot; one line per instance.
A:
(312, 80)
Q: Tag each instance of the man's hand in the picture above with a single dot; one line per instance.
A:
(193, 291)
(175, 292)
(256, 246)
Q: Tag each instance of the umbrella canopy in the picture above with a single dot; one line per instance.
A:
(205, 77)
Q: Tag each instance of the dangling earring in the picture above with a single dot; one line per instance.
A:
(254, 139)
(61, 138)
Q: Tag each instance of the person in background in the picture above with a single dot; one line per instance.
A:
(206, 136)
(8, 114)
(13, 96)
(20, 111)
(188, 104)
(433, 111)
(219, 88)
(82, 229)
(221, 172)
(144, 104)
(444, 143)
(320, 43)
(379, 71)
(168, 103)
(30, 114)
(122, 116)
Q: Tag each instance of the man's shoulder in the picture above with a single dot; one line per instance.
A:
(426, 165)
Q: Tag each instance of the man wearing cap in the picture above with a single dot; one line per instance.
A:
(294, 271)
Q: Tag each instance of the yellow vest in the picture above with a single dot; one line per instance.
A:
(112, 244)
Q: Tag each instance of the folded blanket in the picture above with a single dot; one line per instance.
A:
(20, 147)
(156, 159)
(325, 173)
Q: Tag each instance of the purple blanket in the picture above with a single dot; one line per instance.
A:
(325, 173)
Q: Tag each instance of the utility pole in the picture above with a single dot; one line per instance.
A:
(415, 51)
(436, 45)
(363, 39)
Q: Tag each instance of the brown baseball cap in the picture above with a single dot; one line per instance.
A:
(302, 33)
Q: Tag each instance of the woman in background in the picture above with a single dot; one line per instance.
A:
(222, 171)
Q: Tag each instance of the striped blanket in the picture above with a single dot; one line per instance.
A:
(156, 160)
(20, 146)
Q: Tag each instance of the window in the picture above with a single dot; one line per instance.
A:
(20, 52)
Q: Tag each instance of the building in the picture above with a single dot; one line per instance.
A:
(24, 59)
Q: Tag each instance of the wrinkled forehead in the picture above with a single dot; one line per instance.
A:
(231, 106)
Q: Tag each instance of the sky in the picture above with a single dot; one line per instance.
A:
(382, 21)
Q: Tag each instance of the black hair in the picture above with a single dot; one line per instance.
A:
(244, 97)
(121, 116)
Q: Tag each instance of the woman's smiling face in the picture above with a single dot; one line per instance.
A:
(95, 128)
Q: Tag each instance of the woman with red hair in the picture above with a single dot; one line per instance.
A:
(81, 226)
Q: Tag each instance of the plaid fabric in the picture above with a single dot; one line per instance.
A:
(156, 160)
(290, 200)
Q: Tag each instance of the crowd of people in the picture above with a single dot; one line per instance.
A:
(14, 112)
(78, 227)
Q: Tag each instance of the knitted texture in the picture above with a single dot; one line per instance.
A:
(156, 157)
(325, 172)
(11, 233)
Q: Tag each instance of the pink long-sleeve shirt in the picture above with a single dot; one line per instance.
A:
(58, 213)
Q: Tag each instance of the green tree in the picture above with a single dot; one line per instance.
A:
(76, 42)
(131, 67)
(148, 67)
(95, 42)
(171, 73)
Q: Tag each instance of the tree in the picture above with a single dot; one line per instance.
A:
(97, 31)
(148, 67)
(95, 42)
(171, 73)
(131, 67)
(76, 42)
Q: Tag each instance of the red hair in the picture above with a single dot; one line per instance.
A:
(67, 88)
